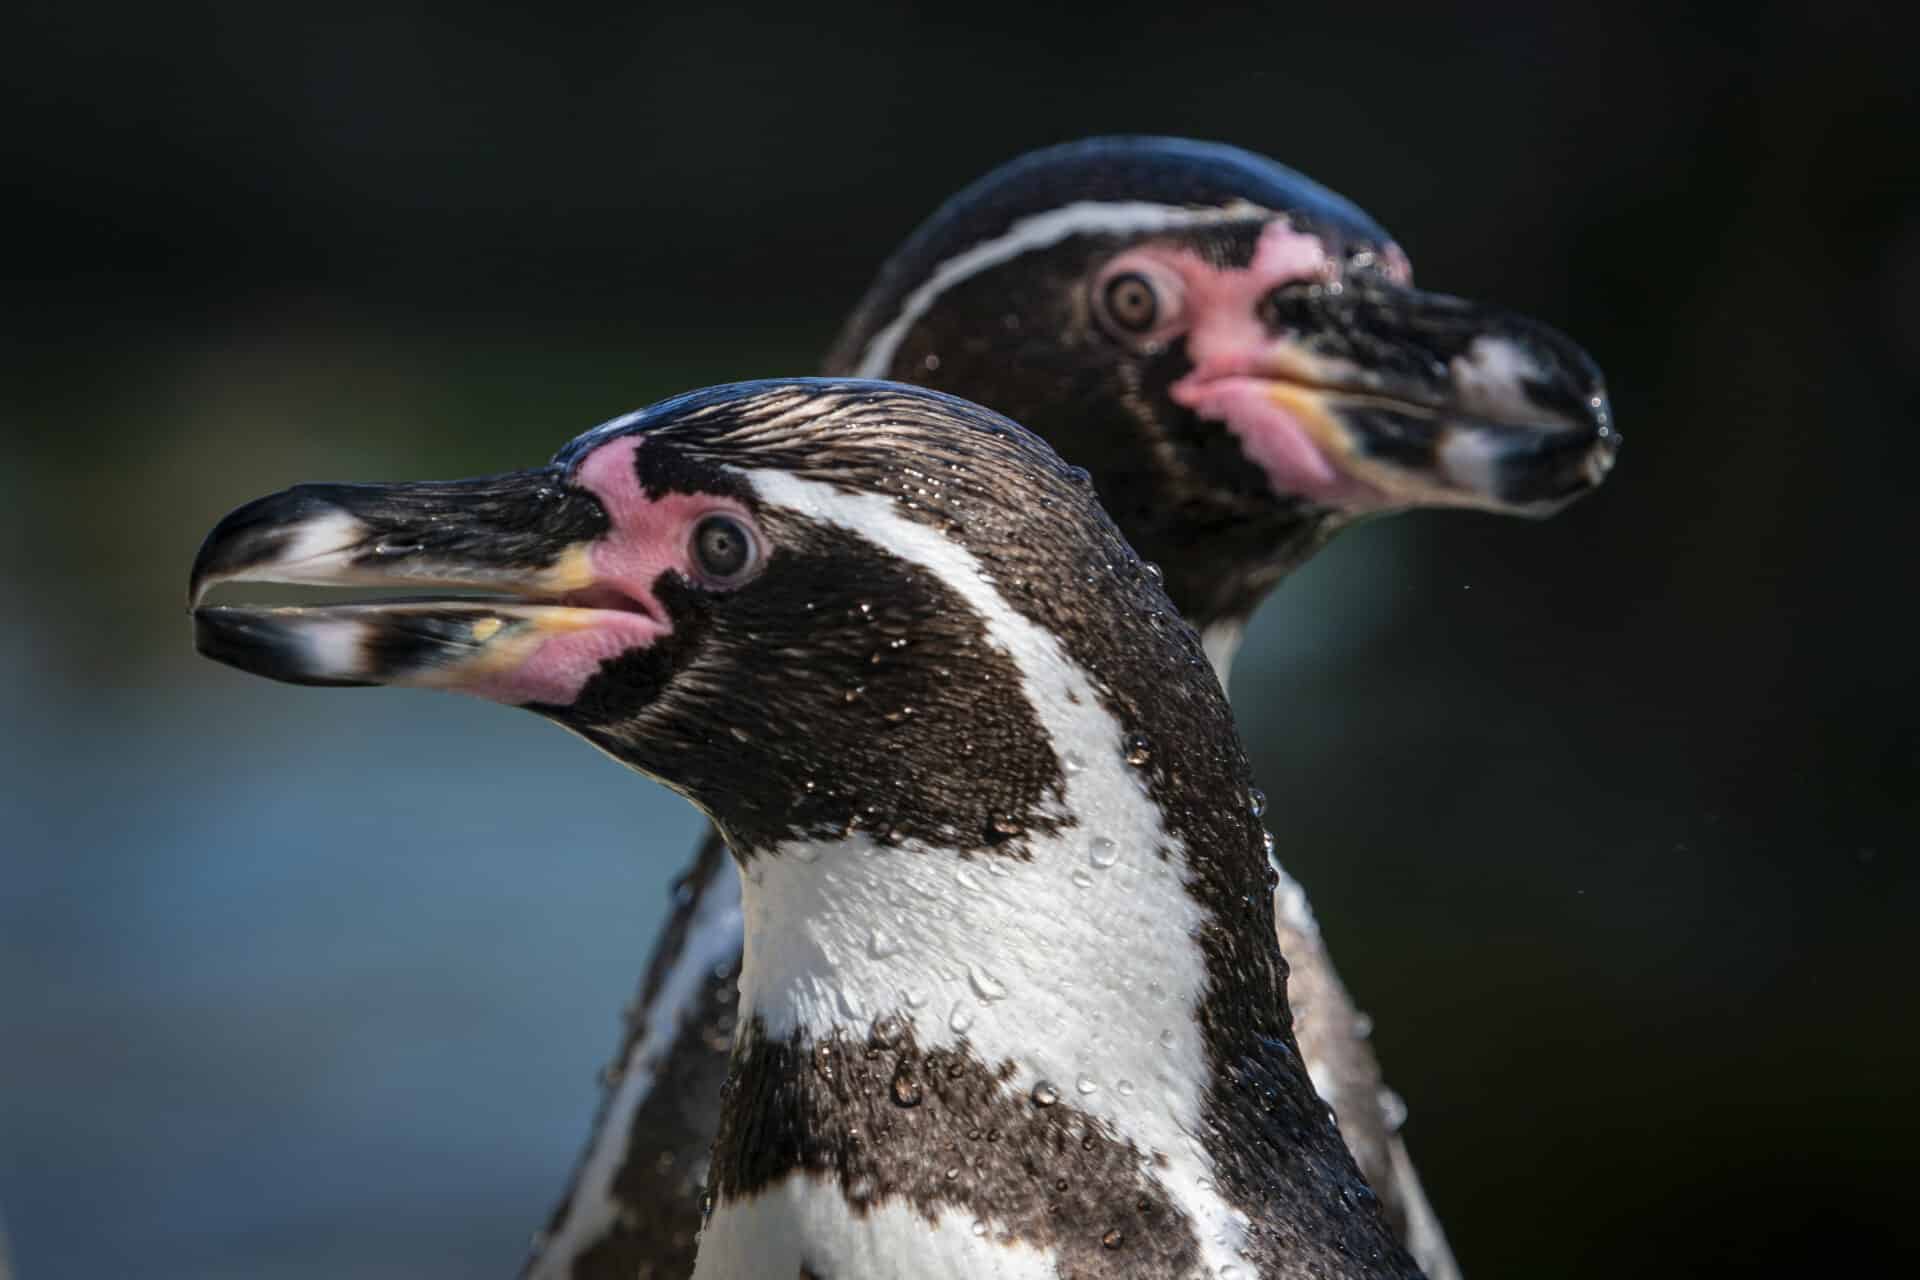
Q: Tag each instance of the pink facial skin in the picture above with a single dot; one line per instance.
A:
(1275, 440)
(619, 611)
(1235, 359)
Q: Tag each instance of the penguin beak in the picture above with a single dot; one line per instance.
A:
(1369, 395)
(524, 539)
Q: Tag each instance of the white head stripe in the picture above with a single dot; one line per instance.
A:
(1040, 231)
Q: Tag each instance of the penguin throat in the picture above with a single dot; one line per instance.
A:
(1090, 937)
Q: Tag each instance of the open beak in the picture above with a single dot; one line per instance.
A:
(526, 540)
(1369, 395)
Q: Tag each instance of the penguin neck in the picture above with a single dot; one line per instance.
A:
(1084, 928)
(1223, 629)
(1243, 562)
(1221, 639)
(1088, 936)
(1059, 972)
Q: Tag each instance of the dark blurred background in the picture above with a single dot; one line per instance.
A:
(1610, 819)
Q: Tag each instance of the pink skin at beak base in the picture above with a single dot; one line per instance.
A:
(648, 537)
(1276, 440)
(1232, 353)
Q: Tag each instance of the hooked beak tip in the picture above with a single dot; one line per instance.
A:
(270, 536)
(1399, 398)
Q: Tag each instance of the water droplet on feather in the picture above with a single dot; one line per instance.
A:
(985, 985)
(906, 1089)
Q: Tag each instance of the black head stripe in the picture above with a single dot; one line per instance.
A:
(883, 642)
(893, 713)
(663, 469)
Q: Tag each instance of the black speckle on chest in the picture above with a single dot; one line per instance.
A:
(884, 1121)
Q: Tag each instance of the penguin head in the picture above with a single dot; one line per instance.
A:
(1237, 354)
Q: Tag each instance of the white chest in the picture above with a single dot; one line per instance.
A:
(802, 1223)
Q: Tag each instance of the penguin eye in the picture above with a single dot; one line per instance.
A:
(724, 550)
(1131, 302)
(1139, 301)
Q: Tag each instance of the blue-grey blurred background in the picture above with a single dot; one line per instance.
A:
(1611, 819)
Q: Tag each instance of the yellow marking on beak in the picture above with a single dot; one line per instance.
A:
(1310, 407)
(549, 619)
(1313, 408)
(1287, 361)
(572, 572)
(1402, 485)
(495, 654)
(502, 643)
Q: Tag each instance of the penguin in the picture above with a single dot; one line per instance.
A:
(1237, 356)
(1011, 1000)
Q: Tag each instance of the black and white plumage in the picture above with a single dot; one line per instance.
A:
(1012, 1002)
(1255, 274)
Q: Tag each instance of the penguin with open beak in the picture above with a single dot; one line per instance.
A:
(1240, 359)
(1011, 1001)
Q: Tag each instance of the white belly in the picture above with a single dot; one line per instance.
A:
(803, 1222)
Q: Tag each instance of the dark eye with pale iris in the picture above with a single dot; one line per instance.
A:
(723, 550)
(1131, 302)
